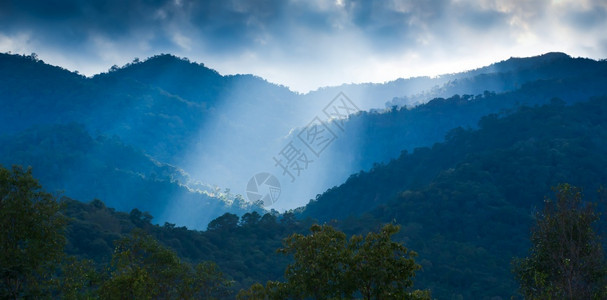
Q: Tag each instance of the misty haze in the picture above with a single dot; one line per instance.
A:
(181, 149)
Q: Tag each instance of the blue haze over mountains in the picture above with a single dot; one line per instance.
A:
(169, 136)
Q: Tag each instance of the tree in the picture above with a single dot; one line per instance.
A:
(210, 282)
(78, 279)
(255, 292)
(566, 259)
(143, 269)
(327, 266)
(31, 235)
(250, 219)
(321, 261)
(227, 221)
(381, 268)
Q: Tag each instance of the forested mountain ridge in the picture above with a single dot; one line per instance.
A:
(378, 137)
(201, 129)
(474, 195)
(465, 205)
(244, 248)
(503, 76)
(67, 156)
(157, 105)
(63, 117)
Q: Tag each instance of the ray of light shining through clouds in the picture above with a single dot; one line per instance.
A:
(304, 44)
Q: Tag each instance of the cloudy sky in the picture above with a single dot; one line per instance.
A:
(304, 44)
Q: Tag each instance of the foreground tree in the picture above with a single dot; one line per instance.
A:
(255, 292)
(566, 259)
(381, 268)
(31, 235)
(321, 262)
(209, 282)
(77, 279)
(329, 266)
(144, 269)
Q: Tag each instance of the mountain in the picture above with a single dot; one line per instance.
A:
(465, 205)
(175, 111)
(378, 136)
(124, 105)
(66, 156)
(215, 132)
(245, 248)
(461, 161)
(503, 76)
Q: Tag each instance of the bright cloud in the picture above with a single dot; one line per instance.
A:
(304, 44)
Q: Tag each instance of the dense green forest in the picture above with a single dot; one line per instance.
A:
(474, 195)
(131, 124)
(165, 133)
(67, 155)
(465, 206)
(565, 261)
(326, 264)
(374, 137)
(303, 150)
(464, 176)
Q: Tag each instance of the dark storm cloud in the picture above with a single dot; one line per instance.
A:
(282, 35)
(221, 25)
(73, 22)
(589, 18)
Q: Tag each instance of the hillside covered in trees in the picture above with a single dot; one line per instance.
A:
(465, 206)
(165, 134)
(303, 150)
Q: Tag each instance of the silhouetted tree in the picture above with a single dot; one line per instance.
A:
(566, 260)
(31, 235)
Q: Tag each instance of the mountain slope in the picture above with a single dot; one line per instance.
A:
(222, 130)
(67, 158)
(466, 205)
(369, 138)
(503, 76)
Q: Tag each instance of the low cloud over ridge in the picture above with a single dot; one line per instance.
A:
(304, 44)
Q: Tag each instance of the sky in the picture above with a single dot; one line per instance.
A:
(304, 44)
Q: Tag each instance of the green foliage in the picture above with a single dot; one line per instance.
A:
(226, 222)
(255, 292)
(329, 266)
(566, 260)
(34, 265)
(246, 253)
(210, 282)
(464, 205)
(77, 279)
(144, 269)
(381, 268)
(31, 235)
(320, 266)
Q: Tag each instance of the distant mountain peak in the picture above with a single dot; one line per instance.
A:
(546, 57)
(165, 58)
(163, 62)
(515, 64)
(555, 55)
